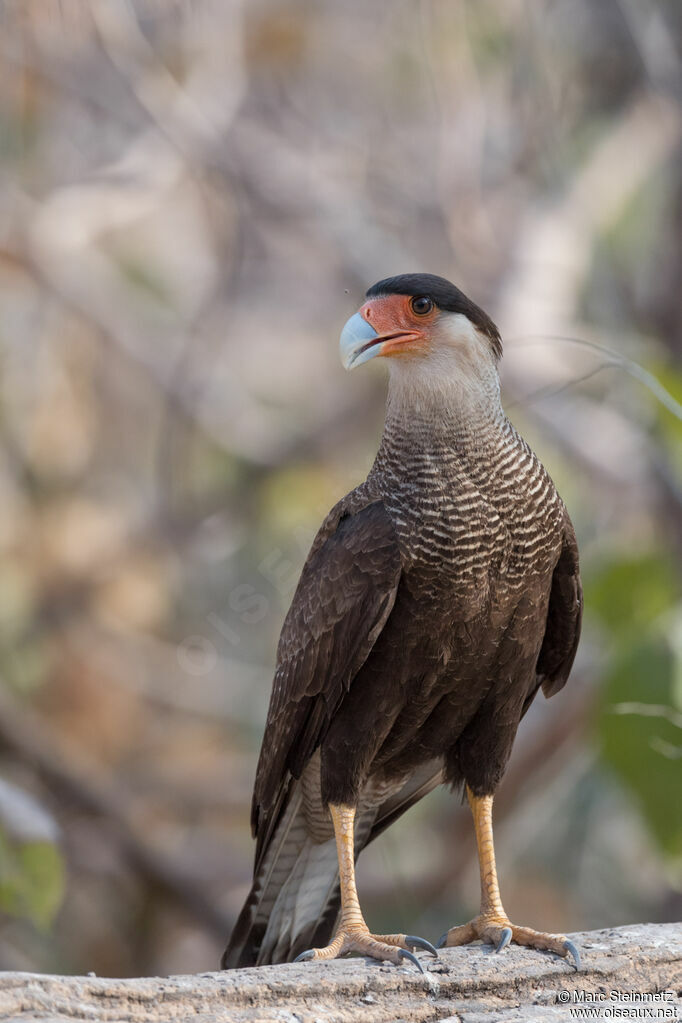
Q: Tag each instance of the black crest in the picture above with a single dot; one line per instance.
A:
(444, 295)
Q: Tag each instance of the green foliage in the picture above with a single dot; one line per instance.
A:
(31, 880)
(640, 735)
(31, 865)
(639, 719)
(301, 494)
(629, 594)
(669, 425)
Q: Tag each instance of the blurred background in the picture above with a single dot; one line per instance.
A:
(195, 196)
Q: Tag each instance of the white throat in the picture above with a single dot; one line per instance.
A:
(456, 382)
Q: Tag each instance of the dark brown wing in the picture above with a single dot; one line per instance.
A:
(344, 596)
(564, 617)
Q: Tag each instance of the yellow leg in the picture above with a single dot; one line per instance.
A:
(353, 934)
(492, 924)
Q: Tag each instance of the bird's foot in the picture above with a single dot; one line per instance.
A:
(392, 947)
(496, 929)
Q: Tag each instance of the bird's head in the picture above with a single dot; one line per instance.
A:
(424, 324)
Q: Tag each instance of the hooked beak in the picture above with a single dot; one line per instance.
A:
(359, 341)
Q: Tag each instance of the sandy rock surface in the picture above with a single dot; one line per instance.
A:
(467, 985)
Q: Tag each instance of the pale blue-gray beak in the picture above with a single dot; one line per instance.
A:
(356, 340)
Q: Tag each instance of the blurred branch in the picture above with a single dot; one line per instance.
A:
(188, 115)
(543, 288)
(60, 78)
(21, 260)
(26, 737)
(555, 241)
(650, 710)
(653, 39)
(615, 359)
(171, 385)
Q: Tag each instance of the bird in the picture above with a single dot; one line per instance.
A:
(439, 596)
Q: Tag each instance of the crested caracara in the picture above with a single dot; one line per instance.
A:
(438, 597)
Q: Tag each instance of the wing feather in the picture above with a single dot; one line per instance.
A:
(344, 596)
(564, 616)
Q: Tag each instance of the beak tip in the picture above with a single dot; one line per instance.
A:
(356, 334)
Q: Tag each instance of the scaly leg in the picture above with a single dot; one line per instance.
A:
(353, 933)
(492, 924)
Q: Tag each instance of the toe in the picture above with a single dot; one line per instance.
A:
(461, 935)
(393, 948)
(498, 931)
(377, 948)
(495, 932)
(541, 940)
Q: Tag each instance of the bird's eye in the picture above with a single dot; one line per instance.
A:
(421, 305)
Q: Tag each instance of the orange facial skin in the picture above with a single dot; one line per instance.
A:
(402, 332)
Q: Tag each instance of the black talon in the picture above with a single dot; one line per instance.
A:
(572, 950)
(505, 938)
(305, 956)
(441, 941)
(404, 954)
(421, 943)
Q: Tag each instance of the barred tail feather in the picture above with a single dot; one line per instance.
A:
(294, 902)
(295, 898)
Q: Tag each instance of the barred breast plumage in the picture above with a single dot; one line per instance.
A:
(480, 528)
